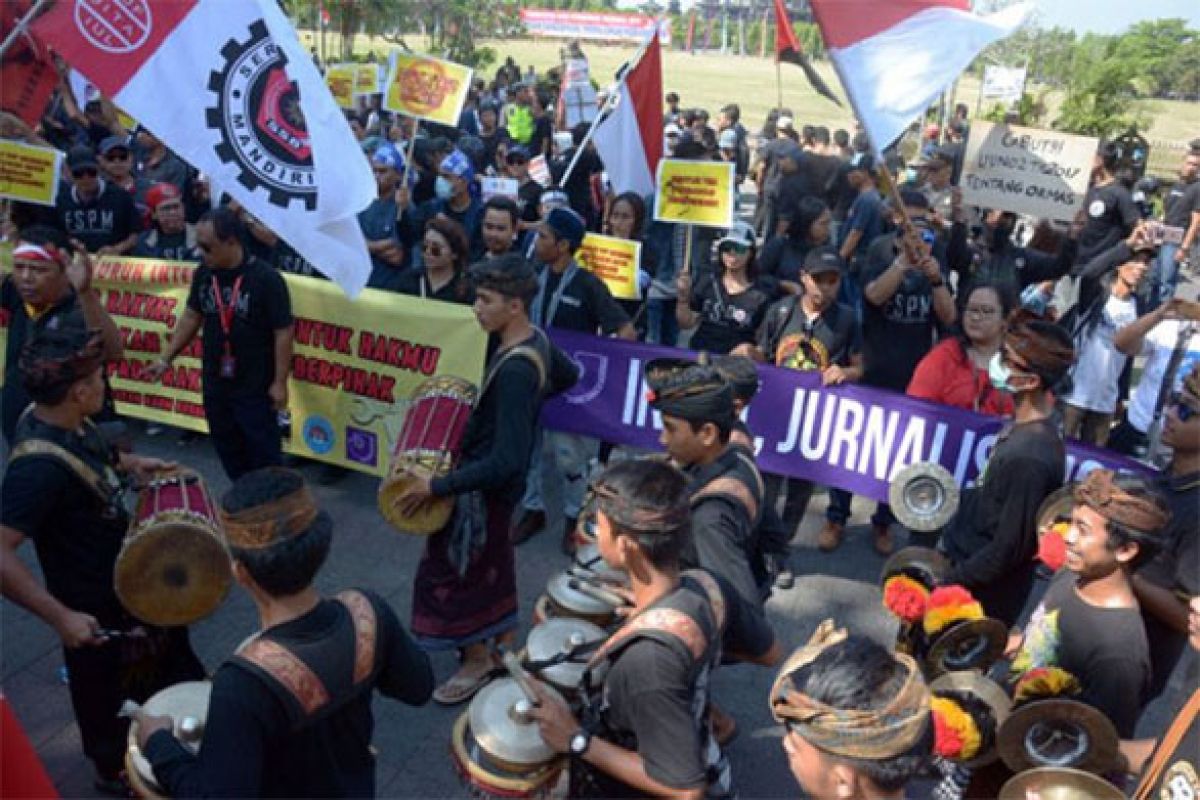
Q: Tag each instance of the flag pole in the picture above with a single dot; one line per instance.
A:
(21, 25)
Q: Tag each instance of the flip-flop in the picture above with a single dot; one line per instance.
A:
(460, 689)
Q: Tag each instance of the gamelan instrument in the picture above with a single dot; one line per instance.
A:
(557, 651)
(497, 749)
(1058, 732)
(987, 704)
(187, 705)
(1055, 783)
(174, 567)
(923, 497)
(579, 597)
(428, 446)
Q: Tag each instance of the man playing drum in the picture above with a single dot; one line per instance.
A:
(646, 730)
(63, 491)
(290, 714)
(465, 592)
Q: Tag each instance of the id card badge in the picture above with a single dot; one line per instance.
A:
(228, 366)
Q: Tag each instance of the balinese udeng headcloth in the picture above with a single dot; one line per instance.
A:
(639, 518)
(275, 521)
(1100, 492)
(853, 733)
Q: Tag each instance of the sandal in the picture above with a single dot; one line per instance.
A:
(460, 688)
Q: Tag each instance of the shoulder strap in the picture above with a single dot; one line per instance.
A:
(716, 598)
(520, 351)
(77, 466)
(676, 624)
(287, 670)
(362, 613)
(1166, 747)
(734, 489)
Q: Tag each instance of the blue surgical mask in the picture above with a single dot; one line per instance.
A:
(443, 188)
(999, 374)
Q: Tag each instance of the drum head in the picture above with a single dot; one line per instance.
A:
(1057, 506)
(183, 701)
(925, 565)
(923, 496)
(172, 573)
(1061, 733)
(426, 522)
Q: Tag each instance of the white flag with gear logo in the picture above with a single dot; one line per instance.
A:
(227, 86)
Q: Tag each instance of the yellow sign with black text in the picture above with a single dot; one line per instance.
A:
(340, 80)
(29, 173)
(695, 192)
(614, 261)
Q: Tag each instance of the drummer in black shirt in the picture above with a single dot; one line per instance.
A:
(244, 308)
(62, 490)
(263, 736)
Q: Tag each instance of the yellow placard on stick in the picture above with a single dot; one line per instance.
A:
(695, 193)
(366, 78)
(614, 261)
(340, 80)
(29, 173)
(426, 88)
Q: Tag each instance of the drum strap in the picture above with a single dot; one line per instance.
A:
(1167, 747)
(523, 351)
(295, 679)
(77, 466)
(735, 489)
(670, 621)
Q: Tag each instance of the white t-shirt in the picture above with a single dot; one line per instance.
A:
(1157, 347)
(1098, 365)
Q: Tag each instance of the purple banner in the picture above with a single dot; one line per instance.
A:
(851, 437)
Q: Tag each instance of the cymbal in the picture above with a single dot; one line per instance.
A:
(923, 496)
(965, 645)
(1054, 783)
(173, 573)
(187, 705)
(561, 635)
(1056, 506)
(985, 689)
(588, 558)
(1058, 732)
(560, 591)
(500, 723)
(923, 564)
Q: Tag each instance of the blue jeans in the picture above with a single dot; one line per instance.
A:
(1165, 276)
(661, 326)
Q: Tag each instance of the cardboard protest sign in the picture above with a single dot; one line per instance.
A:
(695, 192)
(498, 187)
(614, 261)
(1027, 171)
(366, 79)
(426, 88)
(340, 80)
(539, 170)
(1005, 84)
(29, 173)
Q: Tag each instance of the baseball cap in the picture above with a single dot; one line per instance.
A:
(81, 156)
(728, 139)
(161, 193)
(517, 154)
(823, 259)
(864, 162)
(111, 143)
(740, 233)
(672, 130)
(388, 155)
(784, 122)
(566, 224)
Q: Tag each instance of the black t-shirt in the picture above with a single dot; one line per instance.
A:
(586, 304)
(77, 535)
(1180, 775)
(1111, 214)
(66, 315)
(174, 246)
(821, 172)
(108, 218)
(250, 747)
(898, 334)
(727, 320)
(263, 307)
(1180, 203)
(782, 258)
(1104, 648)
(528, 196)
(285, 259)
(579, 183)
(416, 283)
(789, 338)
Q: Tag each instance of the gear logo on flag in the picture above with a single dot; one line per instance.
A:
(260, 123)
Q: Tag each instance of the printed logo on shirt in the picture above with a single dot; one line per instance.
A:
(362, 447)
(1096, 209)
(1180, 782)
(259, 121)
(318, 434)
(801, 351)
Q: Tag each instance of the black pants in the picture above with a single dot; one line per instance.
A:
(245, 432)
(101, 678)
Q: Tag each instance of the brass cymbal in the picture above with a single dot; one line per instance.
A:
(923, 496)
(173, 573)
(562, 635)
(500, 722)
(1056, 506)
(980, 686)
(560, 591)
(965, 645)
(923, 564)
(1055, 783)
(1058, 732)
(187, 706)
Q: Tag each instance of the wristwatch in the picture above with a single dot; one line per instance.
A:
(580, 742)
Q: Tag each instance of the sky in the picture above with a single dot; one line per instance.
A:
(1112, 16)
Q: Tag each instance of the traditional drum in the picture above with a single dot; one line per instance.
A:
(557, 651)
(427, 447)
(173, 568)
(497, 749)
(568, 596)
(187, 705)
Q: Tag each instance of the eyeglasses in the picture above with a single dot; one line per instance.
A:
(85, 172)
(980, 312)
(736, 248)
(118, 156)
(433, 248)
(1182, 409)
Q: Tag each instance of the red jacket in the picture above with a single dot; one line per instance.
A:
(947, 376)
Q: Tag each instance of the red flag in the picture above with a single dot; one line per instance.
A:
(27, 72)
(630, 138)
(787, 48)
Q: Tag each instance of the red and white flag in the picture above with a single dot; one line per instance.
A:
(227, 86)
(630, 139)
(895, 56)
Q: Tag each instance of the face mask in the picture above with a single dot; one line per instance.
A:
(443, 188)
(999, 374)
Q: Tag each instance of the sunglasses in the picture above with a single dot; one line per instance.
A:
(120, 155)
(1182, 409)
(433, 248)
(85, 172)
(735, 248)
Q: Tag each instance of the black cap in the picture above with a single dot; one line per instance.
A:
(81, 156)
(111, 143)
(864, 162)
(823, 259)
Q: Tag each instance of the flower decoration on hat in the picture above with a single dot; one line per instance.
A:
(1045, 682)
(1052, 546)
(905, 597)
(956, 734)
(947, 605)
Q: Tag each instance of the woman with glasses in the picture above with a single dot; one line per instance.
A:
(443, 277)
(626, 220)
(726, 305)
(955, 372)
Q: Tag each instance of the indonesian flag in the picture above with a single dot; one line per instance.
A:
(787, 48)
(227, 86)
(895, 56)
(630, 138)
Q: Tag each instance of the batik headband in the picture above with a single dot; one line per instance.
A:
(1100, 492)
(261, 526)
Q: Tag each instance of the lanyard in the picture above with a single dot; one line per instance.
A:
(543, 279)
(225, 312)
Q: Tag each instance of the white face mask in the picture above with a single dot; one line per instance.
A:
(443, 188)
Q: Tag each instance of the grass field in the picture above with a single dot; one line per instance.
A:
(709, 81)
